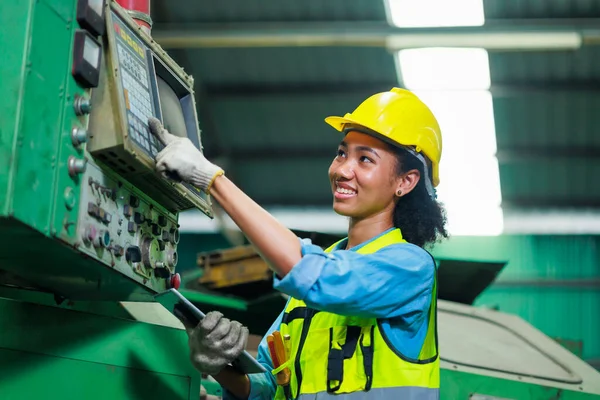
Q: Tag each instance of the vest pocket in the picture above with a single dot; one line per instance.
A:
(350, 359)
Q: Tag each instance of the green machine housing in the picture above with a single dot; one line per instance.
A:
(83, 214)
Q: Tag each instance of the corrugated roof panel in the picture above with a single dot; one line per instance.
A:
(285, 182)
(528, 67)
(280, 122)
(547, 119)
(292, 65)
(268, 11)
(541, 9)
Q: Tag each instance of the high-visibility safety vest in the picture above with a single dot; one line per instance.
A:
(351, 358)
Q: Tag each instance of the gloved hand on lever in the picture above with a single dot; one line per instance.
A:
(182, 159)
(215, 342)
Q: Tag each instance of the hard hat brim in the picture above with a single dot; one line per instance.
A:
(338, 122)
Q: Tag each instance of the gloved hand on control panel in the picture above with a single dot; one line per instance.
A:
(181, 158)
(216, 342)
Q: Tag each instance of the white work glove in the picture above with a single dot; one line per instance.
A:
(215, 342)
(181, 160)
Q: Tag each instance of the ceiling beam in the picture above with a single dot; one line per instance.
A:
(361, 89)
(508, 34)
(550, 201)
(505, 155)
(324, 220)
(532, 153)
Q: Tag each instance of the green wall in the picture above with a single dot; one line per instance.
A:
(553, 282)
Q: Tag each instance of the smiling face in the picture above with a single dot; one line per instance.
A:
(364, 177)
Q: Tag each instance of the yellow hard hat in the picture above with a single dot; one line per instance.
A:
(403, 119)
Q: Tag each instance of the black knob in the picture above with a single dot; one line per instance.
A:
(132, 227)
(162, 221)
(156, 230)
(139, 218)
(134, 201)
(107, 218)
(162, 272)
(133, 254)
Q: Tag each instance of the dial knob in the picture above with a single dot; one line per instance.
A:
(174, 235)
(150, 252)
(172, 258)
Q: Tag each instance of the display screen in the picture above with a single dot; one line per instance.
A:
(91, 52)
(96, 6)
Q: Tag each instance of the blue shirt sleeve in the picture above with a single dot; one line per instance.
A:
(396, 281)
(262, 386)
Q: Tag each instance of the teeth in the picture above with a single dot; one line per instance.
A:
(345, 191)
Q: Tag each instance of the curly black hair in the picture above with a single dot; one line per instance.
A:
(421, 218)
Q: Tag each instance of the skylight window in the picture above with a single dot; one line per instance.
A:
(435, 13)
(454, 83)
(444, 68)
(469, 177)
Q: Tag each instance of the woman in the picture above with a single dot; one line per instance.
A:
(361, 314)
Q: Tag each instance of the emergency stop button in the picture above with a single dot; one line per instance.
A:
(176, 281)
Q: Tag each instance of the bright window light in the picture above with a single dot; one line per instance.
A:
(435, 13)
(469, 177)
(444, 69)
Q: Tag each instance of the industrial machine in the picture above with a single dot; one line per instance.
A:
(89, 232)
(85, 221)
(77, 177)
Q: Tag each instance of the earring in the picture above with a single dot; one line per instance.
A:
(399, 193)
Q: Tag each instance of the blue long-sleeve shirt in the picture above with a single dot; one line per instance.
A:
(393, 284)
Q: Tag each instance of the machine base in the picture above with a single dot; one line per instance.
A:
(55, 353)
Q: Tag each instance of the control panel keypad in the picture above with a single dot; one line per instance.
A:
(137, 99)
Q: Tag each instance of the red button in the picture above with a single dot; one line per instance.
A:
(175, 281)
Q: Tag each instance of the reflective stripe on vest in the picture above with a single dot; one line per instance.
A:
(351, 357)
(389, 393)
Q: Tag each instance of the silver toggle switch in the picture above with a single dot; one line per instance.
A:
(77, 166)
(82, 106)
(79, 136)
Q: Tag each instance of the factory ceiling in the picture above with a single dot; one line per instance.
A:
(268, 72)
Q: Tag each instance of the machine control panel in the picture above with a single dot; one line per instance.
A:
(126, 232)
(138, 80)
